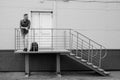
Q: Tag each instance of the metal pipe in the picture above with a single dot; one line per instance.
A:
(89, 52)
(49, 29)
(88, 38)
(92, 54)
(15, 39)
(77, 46)
(18, 38)
(31, 35)
(34, 35)
(100, 56)
(52, 39)
(64, 39)
(70, 40)
(82, 39)
(81, 48)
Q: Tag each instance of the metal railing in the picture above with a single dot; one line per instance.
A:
(68, 39)
(87, 49)
(46, 38)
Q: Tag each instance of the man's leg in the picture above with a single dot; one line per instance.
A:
(23, 38)
(26, 41)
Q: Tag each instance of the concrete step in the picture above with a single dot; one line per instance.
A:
(78, 57)
(107, 73)
(72, 54)
(88, 64)
(100, 69)
(94, 66)
(83, 60)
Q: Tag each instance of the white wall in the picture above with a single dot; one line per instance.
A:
(11, 12)
(99, 21)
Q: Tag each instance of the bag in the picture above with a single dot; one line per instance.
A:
(34, 46)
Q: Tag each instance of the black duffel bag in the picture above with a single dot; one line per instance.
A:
(34, 46)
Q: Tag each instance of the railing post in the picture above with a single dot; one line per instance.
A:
(31, 35)
(92, 54)
(34, 35)
(70, 42)
(19, 37)
(77, 46)
(15, 39)
(52, 39)
(100, 56)
(89, 52)
(81, 48)
(64, 39)
(27, 40)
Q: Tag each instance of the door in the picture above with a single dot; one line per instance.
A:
(42, 24)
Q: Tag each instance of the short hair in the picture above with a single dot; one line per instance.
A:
(25, 14)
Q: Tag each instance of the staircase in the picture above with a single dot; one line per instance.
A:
(87, 52)
(88, 64)
(82, 49)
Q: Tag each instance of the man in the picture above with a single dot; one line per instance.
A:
(25, 26)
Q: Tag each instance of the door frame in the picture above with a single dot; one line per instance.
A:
(43, 12)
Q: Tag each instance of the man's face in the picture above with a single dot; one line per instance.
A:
(26, 17)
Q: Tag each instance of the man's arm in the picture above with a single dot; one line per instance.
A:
(20, 24)
(29, 24)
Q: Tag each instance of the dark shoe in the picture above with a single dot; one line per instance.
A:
(25, 49)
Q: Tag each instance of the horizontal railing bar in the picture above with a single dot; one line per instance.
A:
(84, 40)
(90, 44)
(86, 45)
(45, 29)
(85, 50)
(83, 47)
(86, 37)
(80, 38)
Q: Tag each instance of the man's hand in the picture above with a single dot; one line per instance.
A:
(25, 28)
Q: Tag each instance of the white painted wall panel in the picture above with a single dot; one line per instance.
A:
(99, 21)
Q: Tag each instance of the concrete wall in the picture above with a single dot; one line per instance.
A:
(99, 21)
(47, 62)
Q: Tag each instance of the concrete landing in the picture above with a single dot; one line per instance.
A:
(43, 51)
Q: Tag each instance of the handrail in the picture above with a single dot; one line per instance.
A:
(105, 54)
(92, 41)
(87, 37)
(101, 51)
(87, 49)
(47, 28)
(83, 40)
